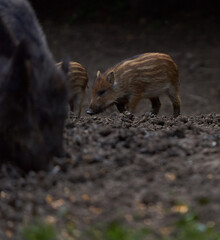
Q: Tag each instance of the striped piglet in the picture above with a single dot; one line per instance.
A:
(144, 76)
(78, 80)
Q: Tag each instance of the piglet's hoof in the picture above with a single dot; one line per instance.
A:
(90, 112)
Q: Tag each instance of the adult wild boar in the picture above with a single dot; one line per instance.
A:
(21, 140)
(40, 89)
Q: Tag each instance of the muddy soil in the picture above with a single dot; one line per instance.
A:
(140, 169)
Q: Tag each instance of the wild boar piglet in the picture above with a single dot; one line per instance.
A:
(78, 80)
(148, 75)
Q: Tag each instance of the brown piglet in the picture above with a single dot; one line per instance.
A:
(144, 76)
(78, 80)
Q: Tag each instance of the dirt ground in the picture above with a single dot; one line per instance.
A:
(139, 169)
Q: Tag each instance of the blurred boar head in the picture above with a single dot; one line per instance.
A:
(48, 85)
(52, 102)
(21, 140)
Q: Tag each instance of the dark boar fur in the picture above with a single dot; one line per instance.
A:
(20, 138)
(40, 89)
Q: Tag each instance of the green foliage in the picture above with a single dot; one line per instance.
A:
(116, 231)
(189, 228)
(39, 231)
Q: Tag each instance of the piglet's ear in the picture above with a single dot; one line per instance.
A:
(111, 78)
(98, 74)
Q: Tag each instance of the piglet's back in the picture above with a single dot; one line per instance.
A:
(77, 71)
(145, 67)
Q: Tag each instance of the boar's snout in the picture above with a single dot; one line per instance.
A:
(90, 112)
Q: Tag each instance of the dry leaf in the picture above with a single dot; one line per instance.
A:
(4, 195)
(170, 176)
(129, 217)
(50, 219)
(9, 233)
(72, 198)
(49, 198)
(210, 176)
(180, 208)
(85, 197)
(95, 210)
(166, 230)
(58, 203)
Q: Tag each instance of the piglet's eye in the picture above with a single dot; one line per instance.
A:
(101, 92)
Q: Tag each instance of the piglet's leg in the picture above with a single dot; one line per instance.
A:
(175, 99)
(155, 102)
(121, 104)
(71, 102)
(81, 99)
(121, 107)
(133, 102)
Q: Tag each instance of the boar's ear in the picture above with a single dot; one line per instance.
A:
(111, 78)
(7, 45)
(20, 70)
(65, 66)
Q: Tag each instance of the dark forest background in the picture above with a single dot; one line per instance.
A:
(98, 34)
(72, 11)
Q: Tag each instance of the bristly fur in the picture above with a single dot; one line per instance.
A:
(47, 84)
(146, 75)
(78, 81)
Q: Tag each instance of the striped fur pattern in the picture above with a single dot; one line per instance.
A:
(78, 80)
(144, 76)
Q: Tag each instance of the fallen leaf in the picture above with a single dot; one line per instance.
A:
(129, 217)
(9, 233)
(210, 176)
(72, 198)
(58, 203)
(170, 176)
(180, 208)
(85, 197)
(95, 210)
(166, 230)
(49, 199)
(4, 195)
(50, 219)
